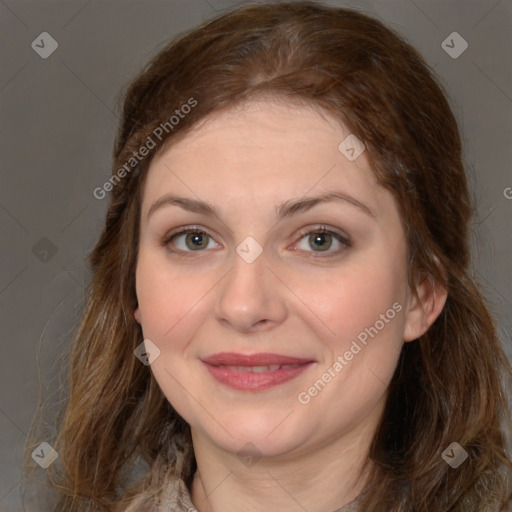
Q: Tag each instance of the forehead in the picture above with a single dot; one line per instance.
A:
(266, 149)
(269, 127)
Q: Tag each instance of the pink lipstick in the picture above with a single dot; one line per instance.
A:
(255, 372)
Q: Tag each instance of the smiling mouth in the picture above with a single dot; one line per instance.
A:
(261, 369)
(256, 372)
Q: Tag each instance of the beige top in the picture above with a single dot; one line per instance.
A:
(177, 498)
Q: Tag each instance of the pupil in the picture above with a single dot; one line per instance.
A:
(319, 239)
(195, 239)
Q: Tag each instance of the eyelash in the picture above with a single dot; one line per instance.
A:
(346, 243)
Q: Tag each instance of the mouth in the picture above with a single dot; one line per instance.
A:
(256, 372)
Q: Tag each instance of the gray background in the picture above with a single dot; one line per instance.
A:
(58, 121)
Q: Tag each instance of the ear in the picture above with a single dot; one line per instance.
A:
(136, 314)
(424, 308)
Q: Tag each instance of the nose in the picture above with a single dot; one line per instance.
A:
(251, 298)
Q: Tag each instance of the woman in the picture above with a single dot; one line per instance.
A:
(282, 314)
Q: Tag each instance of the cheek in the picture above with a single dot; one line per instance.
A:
(167, 299)
(365, 312)
(355, 298)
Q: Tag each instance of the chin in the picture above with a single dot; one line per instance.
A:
(265, 434)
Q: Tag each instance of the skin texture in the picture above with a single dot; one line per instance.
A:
(247, 161)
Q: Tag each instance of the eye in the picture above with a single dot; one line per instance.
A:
(189, 240)
(322, 240)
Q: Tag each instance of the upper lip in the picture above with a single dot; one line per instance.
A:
(263, 359)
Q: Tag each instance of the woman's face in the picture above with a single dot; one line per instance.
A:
(272, 277)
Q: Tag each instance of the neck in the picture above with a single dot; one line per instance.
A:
(323, 479)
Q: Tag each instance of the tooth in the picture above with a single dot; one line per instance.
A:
(262, 368)
(238, 368)
(258, 369)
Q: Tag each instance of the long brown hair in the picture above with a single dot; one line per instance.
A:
(449, 385)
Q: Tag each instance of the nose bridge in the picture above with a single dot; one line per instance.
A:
(250, 294)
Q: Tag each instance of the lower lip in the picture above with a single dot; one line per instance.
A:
(254, 381)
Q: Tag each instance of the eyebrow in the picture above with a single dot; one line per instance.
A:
(286, 209)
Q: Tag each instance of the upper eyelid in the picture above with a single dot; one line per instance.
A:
(302, 231)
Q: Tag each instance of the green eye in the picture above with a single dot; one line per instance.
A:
(321, 240)
(191, 240)
(312, 241)
(197, 240)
